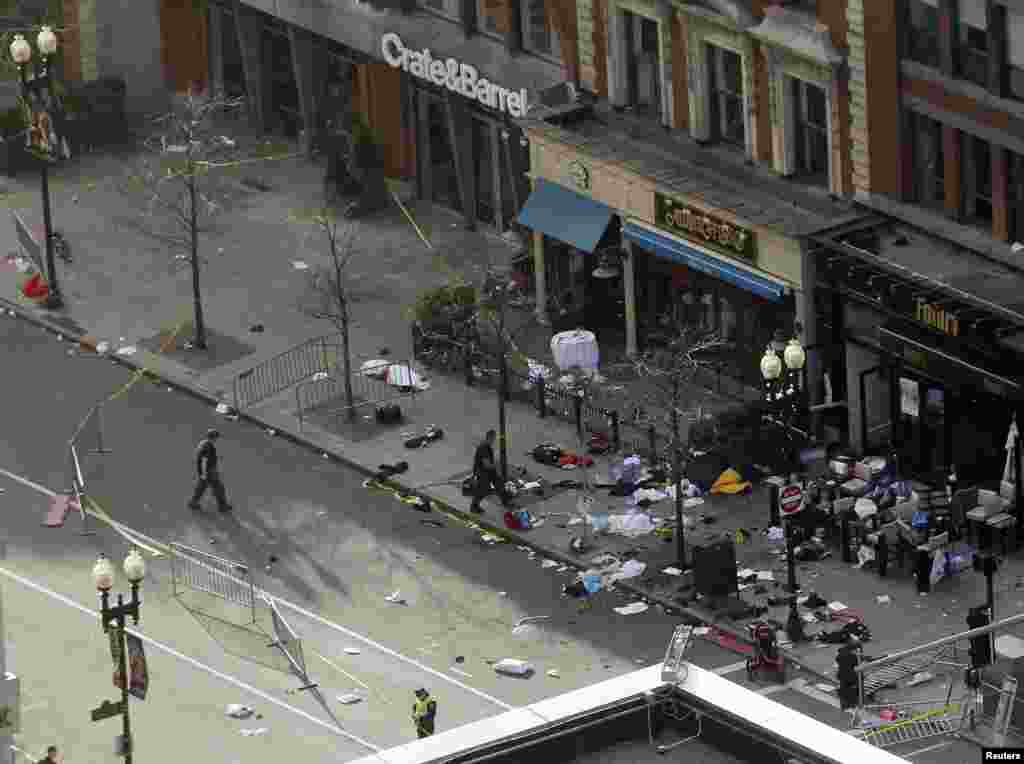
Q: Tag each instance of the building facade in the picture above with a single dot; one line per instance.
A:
(439, 83)
(716, 140)
(922, 299)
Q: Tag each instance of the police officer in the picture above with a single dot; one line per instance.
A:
(424, 710)
(209, 473)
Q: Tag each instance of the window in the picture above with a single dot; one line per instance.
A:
(977, 161)
(811, 136)
(643, 64)
(928, 162)
(538, 34)
(490, 16)
(973, 42)
(1015, 53)
(922, 27)
(446, 7)
(726, 69)
(1015, 195)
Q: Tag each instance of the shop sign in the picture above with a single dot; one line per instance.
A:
(577, 174)
(703, 228)
(453, 74)
(937, 318)
(791, 500)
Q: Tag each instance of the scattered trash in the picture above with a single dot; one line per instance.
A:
(257, 328)
(490, 539)
(670, 571)
(395, 598)
(836, 606)
(435, 523)
(352, 651)
(102, 348)
(562, 569)
(632, 608)
(223, 408)
(883, 599)
(320, 376)
(254, 732)
(825, 687)
(273, 559)
(460, 658)
(321, 513)
(548, 564)
(502, 594)
(513, 667)
(299, 265)
(326, 455)
(554, 673)
(920, 678)
(271, 431)
(765, 575)
(213, 540)
(349, 698)
(127, 350)
(238, 711)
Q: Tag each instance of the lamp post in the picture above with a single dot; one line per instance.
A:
(117, 616)
(21, 52)
(576, 353)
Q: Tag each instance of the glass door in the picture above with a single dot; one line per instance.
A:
(484, 169)
(444, 183)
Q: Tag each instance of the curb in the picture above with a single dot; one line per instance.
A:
(704, 617)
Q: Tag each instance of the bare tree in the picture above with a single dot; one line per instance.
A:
(329, 294)
(689, 351)
(182, 186)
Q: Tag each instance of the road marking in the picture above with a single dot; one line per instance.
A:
(801, 686)
(128, 535)
(935, 747)
(730, 668)
(39, 588)
(134, 537)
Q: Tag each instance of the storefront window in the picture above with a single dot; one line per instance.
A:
(728, 320)
(231, 58)
(539, 35)
(974, 52)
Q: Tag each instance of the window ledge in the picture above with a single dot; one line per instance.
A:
(799, 33)
(961, 87)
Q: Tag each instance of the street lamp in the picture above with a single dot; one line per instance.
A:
(576, 352)
(21, 53)
(103, 577)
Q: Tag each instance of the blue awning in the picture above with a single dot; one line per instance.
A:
(564, 215)
(701, 260)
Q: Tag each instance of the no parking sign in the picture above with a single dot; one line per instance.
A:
(791, 500)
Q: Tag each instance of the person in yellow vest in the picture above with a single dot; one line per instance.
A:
(424, 710)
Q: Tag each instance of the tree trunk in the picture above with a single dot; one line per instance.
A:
(346, 366)
(197, 298)
(677, 475)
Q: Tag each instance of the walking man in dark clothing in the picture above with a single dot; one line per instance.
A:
(209, 473)
(485, 474)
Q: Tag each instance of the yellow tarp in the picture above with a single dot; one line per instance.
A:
(730, 482)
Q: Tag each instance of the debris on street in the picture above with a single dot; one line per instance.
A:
(349, 698)
(352, 651)
(632, 608)
(255, 731)
(395, 598)
(513, 667)
(239, 711)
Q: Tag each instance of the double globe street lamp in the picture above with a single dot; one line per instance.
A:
(782, 382)
(117, 615)
(41, 129)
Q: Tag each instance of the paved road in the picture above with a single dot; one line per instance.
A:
(340, 551)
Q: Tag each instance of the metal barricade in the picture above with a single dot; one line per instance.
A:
(88, 438)
(284, 370)
(203, 572)
(327, 388)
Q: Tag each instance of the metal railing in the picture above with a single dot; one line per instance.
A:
(200, 571)
(328, 387)
(284, 370)
(88, 438)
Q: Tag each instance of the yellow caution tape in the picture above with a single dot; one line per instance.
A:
(940, 711)
(166, 344)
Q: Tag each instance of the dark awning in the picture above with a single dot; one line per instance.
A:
(565, 215)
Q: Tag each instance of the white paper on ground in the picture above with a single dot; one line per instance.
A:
(765, 575)
(513, 666)
(836, 606)
(632, 608)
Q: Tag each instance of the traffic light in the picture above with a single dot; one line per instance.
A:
(981, 647)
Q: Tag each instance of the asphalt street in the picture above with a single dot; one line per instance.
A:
(340, 550)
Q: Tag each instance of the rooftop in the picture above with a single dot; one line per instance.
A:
(719, 176)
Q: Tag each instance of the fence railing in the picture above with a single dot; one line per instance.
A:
(284, 370)
(203, 572)
(88, 438)
(328, 387)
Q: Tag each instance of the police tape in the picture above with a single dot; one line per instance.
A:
(141, 372)
(146, 544)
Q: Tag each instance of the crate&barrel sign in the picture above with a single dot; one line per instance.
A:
(707, 230)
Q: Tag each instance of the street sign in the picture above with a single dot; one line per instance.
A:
(106, 709)
(791, 499)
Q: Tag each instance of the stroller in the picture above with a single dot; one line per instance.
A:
(766, 656)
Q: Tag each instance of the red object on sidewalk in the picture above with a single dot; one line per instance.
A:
(34, 287)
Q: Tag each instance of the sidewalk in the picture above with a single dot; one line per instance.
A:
(120, 290)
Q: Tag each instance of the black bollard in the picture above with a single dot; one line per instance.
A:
(773, 504)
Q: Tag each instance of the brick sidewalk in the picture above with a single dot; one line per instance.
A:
(117, 287)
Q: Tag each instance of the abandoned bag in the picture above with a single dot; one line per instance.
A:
(469, 486)
(547, 453)
(389, 413)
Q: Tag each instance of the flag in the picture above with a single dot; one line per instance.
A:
(115, 654)
(139, 671)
